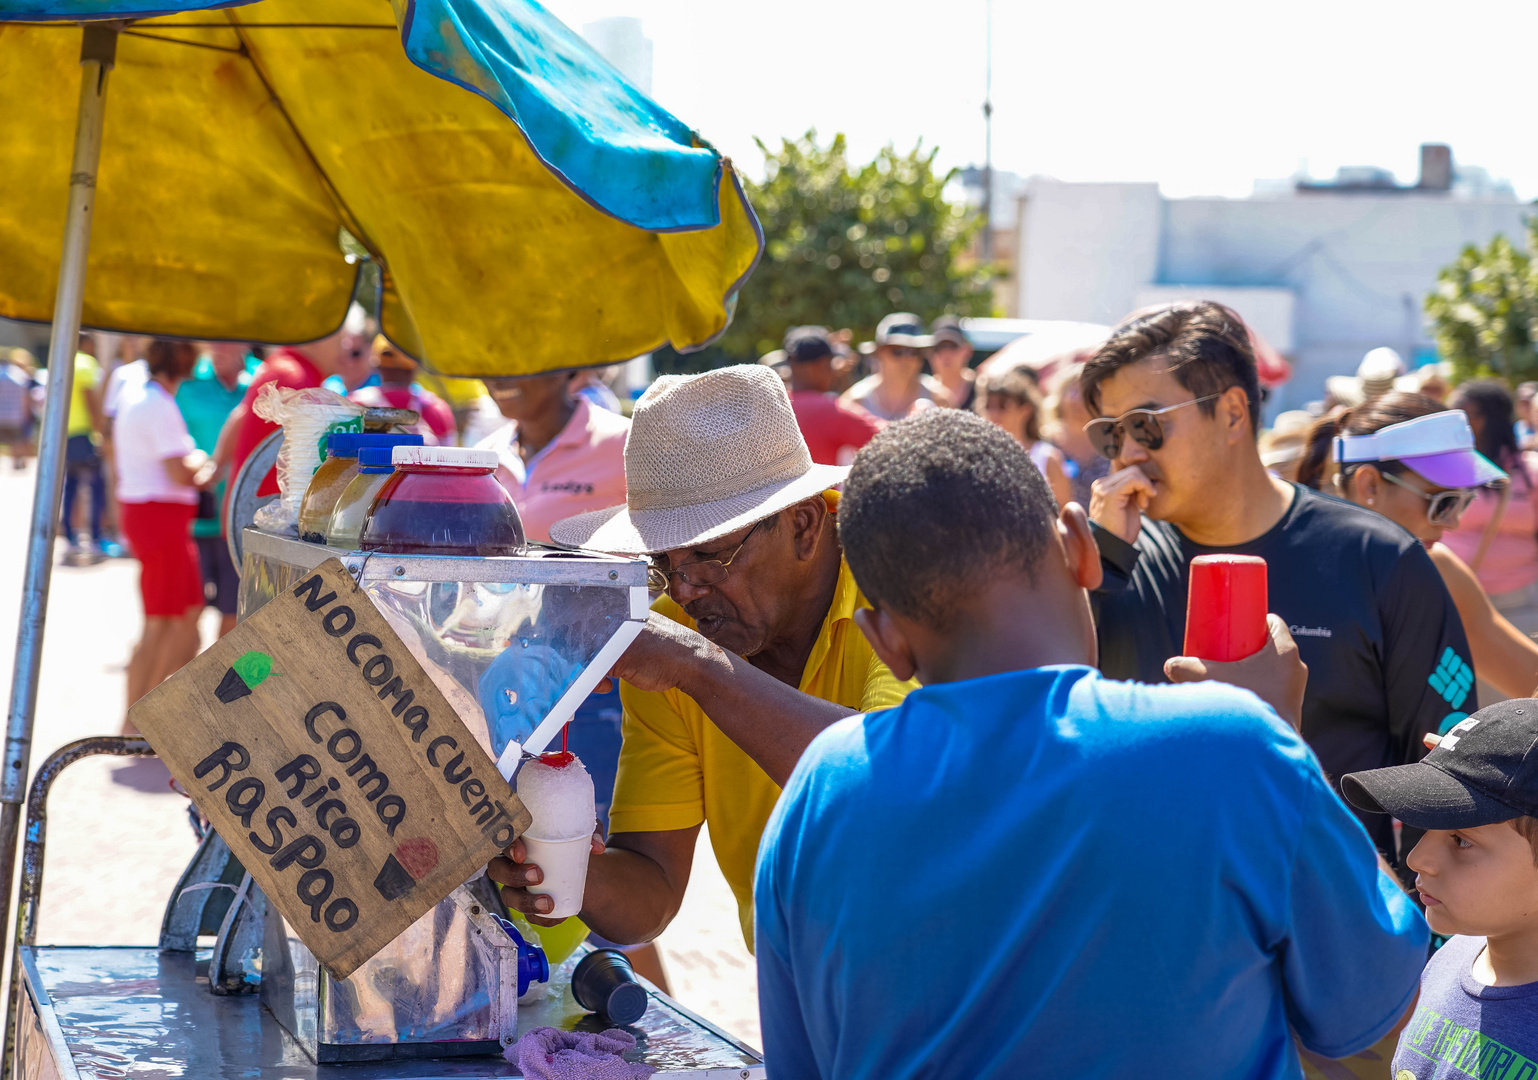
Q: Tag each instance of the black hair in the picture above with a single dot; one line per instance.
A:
(938, 506)
(1373, 415)
(175, 359)
(1497, 435)
(1205, 344)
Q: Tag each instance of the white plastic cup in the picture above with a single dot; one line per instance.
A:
(564, 864)
(303, 429)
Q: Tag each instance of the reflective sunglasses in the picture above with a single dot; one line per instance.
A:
(700, 573)
(1106, 434)
(1445, 507)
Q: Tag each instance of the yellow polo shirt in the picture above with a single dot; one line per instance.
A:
(676, 768)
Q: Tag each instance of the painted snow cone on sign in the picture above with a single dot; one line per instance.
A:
(243, 676)
(408, 864)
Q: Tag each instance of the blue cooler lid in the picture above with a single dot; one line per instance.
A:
(374, 450)
(342, 444)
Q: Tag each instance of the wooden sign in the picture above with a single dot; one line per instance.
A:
(333, 767)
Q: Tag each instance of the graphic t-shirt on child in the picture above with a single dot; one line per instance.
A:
(1463, 1030)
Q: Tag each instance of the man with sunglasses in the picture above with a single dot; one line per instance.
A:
(1177, 403)
(749, 653)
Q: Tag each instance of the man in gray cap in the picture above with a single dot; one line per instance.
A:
(751, 651)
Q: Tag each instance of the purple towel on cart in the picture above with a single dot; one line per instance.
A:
(548, 1053)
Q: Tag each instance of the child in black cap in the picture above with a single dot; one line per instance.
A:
(1476, 868)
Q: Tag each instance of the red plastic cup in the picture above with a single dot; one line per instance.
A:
(1226, 607)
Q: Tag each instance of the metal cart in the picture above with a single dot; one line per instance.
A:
(515, 643)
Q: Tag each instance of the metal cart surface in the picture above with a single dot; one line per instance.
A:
(121, 1013)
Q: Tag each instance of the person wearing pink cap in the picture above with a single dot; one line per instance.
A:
(1413, 460)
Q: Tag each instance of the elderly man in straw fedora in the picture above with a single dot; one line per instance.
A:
(751, 651)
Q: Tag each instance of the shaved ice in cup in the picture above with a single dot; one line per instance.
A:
(558, 793)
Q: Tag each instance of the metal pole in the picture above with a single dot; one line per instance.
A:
(987, 246)
(97, 53)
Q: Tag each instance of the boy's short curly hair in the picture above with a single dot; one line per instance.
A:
(938, 505)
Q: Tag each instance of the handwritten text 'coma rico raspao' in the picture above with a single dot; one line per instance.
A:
(326, 725)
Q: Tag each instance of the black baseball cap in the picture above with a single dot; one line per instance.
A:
(1484, 771)
(804, 344)
(948, 328)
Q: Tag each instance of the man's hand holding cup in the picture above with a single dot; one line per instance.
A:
(1276, 674)
(523, 881)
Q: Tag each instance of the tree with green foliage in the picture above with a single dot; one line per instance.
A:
(1484, 311)
(844, 246)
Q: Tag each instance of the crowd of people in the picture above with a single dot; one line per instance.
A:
(932, 666)
(918, 615)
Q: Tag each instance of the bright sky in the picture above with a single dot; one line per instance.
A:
(1203, 96)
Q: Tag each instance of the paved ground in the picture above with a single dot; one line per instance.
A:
(118, 836)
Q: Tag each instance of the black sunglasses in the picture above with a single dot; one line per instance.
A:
(1106, 433)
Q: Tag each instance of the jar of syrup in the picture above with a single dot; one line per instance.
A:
(352, 506)
(335, 473)
(443, 500)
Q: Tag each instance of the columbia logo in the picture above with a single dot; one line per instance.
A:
(1453, 678)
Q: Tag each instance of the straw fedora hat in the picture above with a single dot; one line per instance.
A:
(707, 455)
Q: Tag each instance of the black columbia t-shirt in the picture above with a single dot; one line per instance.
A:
(1387, 658)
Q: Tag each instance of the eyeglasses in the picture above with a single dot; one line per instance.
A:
(1445, 507)
(700, 573)
(1106, 433)
(903, 352)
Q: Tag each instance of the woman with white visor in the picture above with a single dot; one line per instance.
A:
(1412, 459)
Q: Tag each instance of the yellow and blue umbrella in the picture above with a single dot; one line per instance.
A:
(529, 209)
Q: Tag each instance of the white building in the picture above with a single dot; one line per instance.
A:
(1324, 271)
(621, 43)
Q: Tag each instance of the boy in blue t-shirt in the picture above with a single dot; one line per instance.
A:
(1476, 795)
(1030, 870)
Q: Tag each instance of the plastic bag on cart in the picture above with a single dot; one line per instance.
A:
(272, 518)
(307, 416)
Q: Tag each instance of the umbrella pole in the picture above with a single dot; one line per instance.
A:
(97, 54)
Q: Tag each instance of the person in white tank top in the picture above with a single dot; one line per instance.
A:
(1012, 400)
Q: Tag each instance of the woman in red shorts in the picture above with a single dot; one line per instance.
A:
(159, 472)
